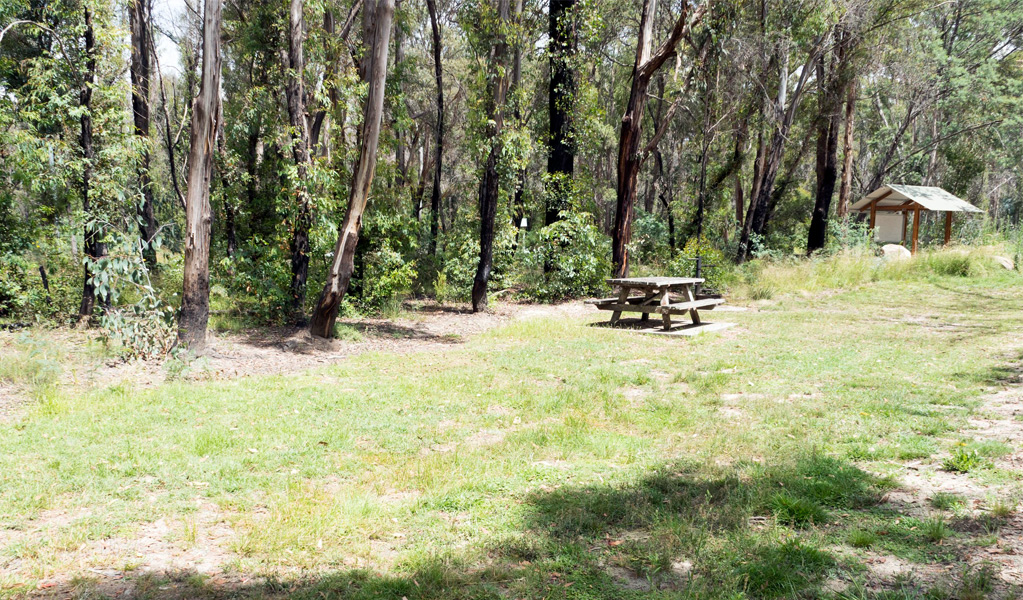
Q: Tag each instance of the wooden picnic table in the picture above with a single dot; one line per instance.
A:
(648, 295)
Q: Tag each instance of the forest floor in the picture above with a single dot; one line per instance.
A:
(859, 444)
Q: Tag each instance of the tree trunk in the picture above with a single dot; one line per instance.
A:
(845, 191)
(94, 247)
(497, 90)
(784, 109)
(629, 159)
(400, 151)
(738, 155)
(294, 90)
(439, 133)
(828, 124)
(560, 100)
(377, 16)
(206, 115)
(141, 49)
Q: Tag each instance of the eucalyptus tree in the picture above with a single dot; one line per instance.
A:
(561, 96)
(496, 19)
(377, 17)
(648, 61)
(139, 18)
(205, 123)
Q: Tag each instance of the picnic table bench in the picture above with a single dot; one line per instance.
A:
(648, 295)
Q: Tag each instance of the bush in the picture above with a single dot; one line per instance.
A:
(387, 278)
(715, 268)
(461, 256)
(577, 254)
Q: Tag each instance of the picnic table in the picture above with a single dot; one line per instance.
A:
(648, 295)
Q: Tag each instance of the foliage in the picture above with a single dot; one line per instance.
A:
(567, 259)
(461, 252)
(715, 268)
(387, 278)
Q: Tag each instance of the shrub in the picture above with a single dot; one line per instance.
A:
(461, 252)
(387, 278)
(715, 268)
(577, 254)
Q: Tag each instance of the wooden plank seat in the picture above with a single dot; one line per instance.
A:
(676, 308)
(630, 300)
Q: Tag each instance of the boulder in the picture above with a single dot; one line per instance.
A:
(895, 252)
(1005, 262)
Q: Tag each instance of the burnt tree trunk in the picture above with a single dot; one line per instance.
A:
(845, 191)
(832, 82)
(497, 90)
(94, 246)
(629, 159)
(439, 133)
(141, 49)
(784, 109)
(206, 115)
(294, 90)
(377, 16)
(560, 100)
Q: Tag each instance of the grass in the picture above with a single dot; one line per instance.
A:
(947, 501)
(516, 465)
(963, 460)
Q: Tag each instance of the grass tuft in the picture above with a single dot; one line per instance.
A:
(862, 538)
(798, 512)
(962, 461)
(935, 530)
(947, 501)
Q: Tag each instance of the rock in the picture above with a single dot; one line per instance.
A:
(1005, 262)
(895, 252)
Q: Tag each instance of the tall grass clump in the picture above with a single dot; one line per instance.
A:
(852, 268)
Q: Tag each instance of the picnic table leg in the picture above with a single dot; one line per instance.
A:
(649, 297)
(690, 297)
(665, 317)
(623, 297)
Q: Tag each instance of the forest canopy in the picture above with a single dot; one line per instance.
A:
(302, 160)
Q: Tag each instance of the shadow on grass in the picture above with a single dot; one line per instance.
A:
(746, 530)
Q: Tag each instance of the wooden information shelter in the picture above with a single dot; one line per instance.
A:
(914, 199)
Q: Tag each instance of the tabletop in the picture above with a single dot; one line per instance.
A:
(654, 281)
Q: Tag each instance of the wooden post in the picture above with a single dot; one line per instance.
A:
(665, 317)
(873, 215)
(623, 298)
(916, 228)
(905, 222)
(948, 227)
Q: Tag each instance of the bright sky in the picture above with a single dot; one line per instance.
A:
(167, 14)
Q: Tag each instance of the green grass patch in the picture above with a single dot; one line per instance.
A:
(542, 459)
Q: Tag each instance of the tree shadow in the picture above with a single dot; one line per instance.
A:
(745, 530)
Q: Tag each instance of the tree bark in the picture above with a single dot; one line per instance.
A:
(560, 100)
(94, 246)
(206, 115)
(295, 92)
(439, 133)
(141, 49)
(785, 111)
(377, 16)
(829, 121)
(497, 90)
(845, 191)
(629, 159)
